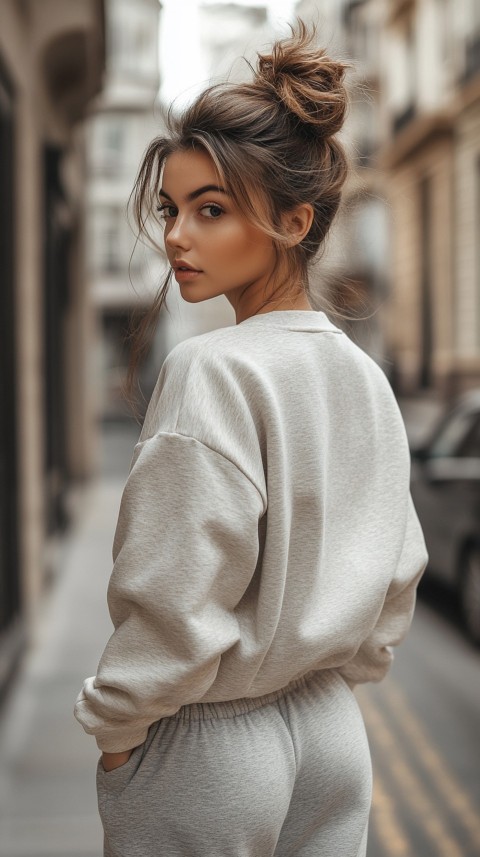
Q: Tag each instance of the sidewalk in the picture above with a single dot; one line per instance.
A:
(47, 762)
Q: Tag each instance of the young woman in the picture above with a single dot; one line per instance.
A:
(267, 550)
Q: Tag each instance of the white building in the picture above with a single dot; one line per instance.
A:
(125, 118)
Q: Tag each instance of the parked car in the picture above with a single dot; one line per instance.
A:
(446, 492)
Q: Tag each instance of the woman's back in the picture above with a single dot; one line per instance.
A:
(310, 422)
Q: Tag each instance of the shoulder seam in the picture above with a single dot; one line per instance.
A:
(212, 449)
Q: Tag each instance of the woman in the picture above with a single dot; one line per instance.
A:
(267, 550)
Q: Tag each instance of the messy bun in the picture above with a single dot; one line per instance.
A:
(273, 143)
(305, 82)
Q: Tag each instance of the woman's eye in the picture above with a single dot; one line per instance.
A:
(215, 210)
(167, 210)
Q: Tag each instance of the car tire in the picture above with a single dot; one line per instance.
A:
(470, 592)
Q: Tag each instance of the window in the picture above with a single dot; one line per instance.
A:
(112, 145)
(472, 54)
(108, 145)
(105, 241)
(407, 72)
(110, 259)
(136, 48)
(113, 136)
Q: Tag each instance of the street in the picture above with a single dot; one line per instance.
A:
(422, 723)
(422, 720)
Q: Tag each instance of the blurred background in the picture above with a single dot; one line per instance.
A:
(84, 87)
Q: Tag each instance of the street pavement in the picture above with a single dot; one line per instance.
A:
(47, 763)
(422, 723)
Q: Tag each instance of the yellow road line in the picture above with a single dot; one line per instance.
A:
(446, 784)
(412, 788)
(389, 831)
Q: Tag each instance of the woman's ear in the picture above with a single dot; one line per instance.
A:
(297, 222)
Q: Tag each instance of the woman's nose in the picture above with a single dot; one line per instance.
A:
(177, 235)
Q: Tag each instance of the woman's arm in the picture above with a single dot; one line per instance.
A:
(185, 550)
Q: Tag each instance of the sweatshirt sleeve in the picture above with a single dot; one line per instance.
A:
(185, 549)
(374, 656)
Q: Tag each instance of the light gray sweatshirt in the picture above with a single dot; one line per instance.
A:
(266, 527)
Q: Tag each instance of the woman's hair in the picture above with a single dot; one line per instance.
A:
(272, 142)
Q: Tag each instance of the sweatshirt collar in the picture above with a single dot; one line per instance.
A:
(293, 319)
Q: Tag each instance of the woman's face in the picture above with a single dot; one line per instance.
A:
(205, 230)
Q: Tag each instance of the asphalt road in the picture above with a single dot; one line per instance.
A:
(423, 724)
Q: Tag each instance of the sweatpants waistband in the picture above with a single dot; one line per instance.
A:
(232, 707)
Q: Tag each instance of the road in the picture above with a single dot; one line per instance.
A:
(423, 726)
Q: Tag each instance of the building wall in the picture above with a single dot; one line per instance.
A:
(353, 271)
(467, 231)
(123, 275)
(412, 248)
(43, 61)
(431, 100)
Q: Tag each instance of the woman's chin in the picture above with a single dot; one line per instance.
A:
(195, 296)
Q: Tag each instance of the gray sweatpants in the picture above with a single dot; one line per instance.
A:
(288, 773)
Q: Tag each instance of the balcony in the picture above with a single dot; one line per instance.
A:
(70, 41)
(413, 132)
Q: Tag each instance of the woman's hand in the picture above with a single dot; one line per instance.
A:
(110, 761)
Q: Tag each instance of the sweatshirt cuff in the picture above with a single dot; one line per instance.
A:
(112, 739)
(120, 745)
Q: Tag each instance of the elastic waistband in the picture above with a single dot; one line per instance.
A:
(232, 707)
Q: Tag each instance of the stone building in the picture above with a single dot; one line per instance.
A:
(408, 235)
(431, 155)
(51, 63)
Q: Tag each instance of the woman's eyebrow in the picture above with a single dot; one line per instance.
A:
(196, 193)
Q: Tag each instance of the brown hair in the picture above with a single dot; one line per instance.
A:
(271, 138)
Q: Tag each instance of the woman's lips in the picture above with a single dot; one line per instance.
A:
(183, 275)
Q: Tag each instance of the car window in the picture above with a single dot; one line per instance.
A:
(452, 434)
(470, 446)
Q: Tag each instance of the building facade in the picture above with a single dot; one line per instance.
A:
(406, 242)
(51, 61)
(431, 155)
(352, 271)
(123, 275)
